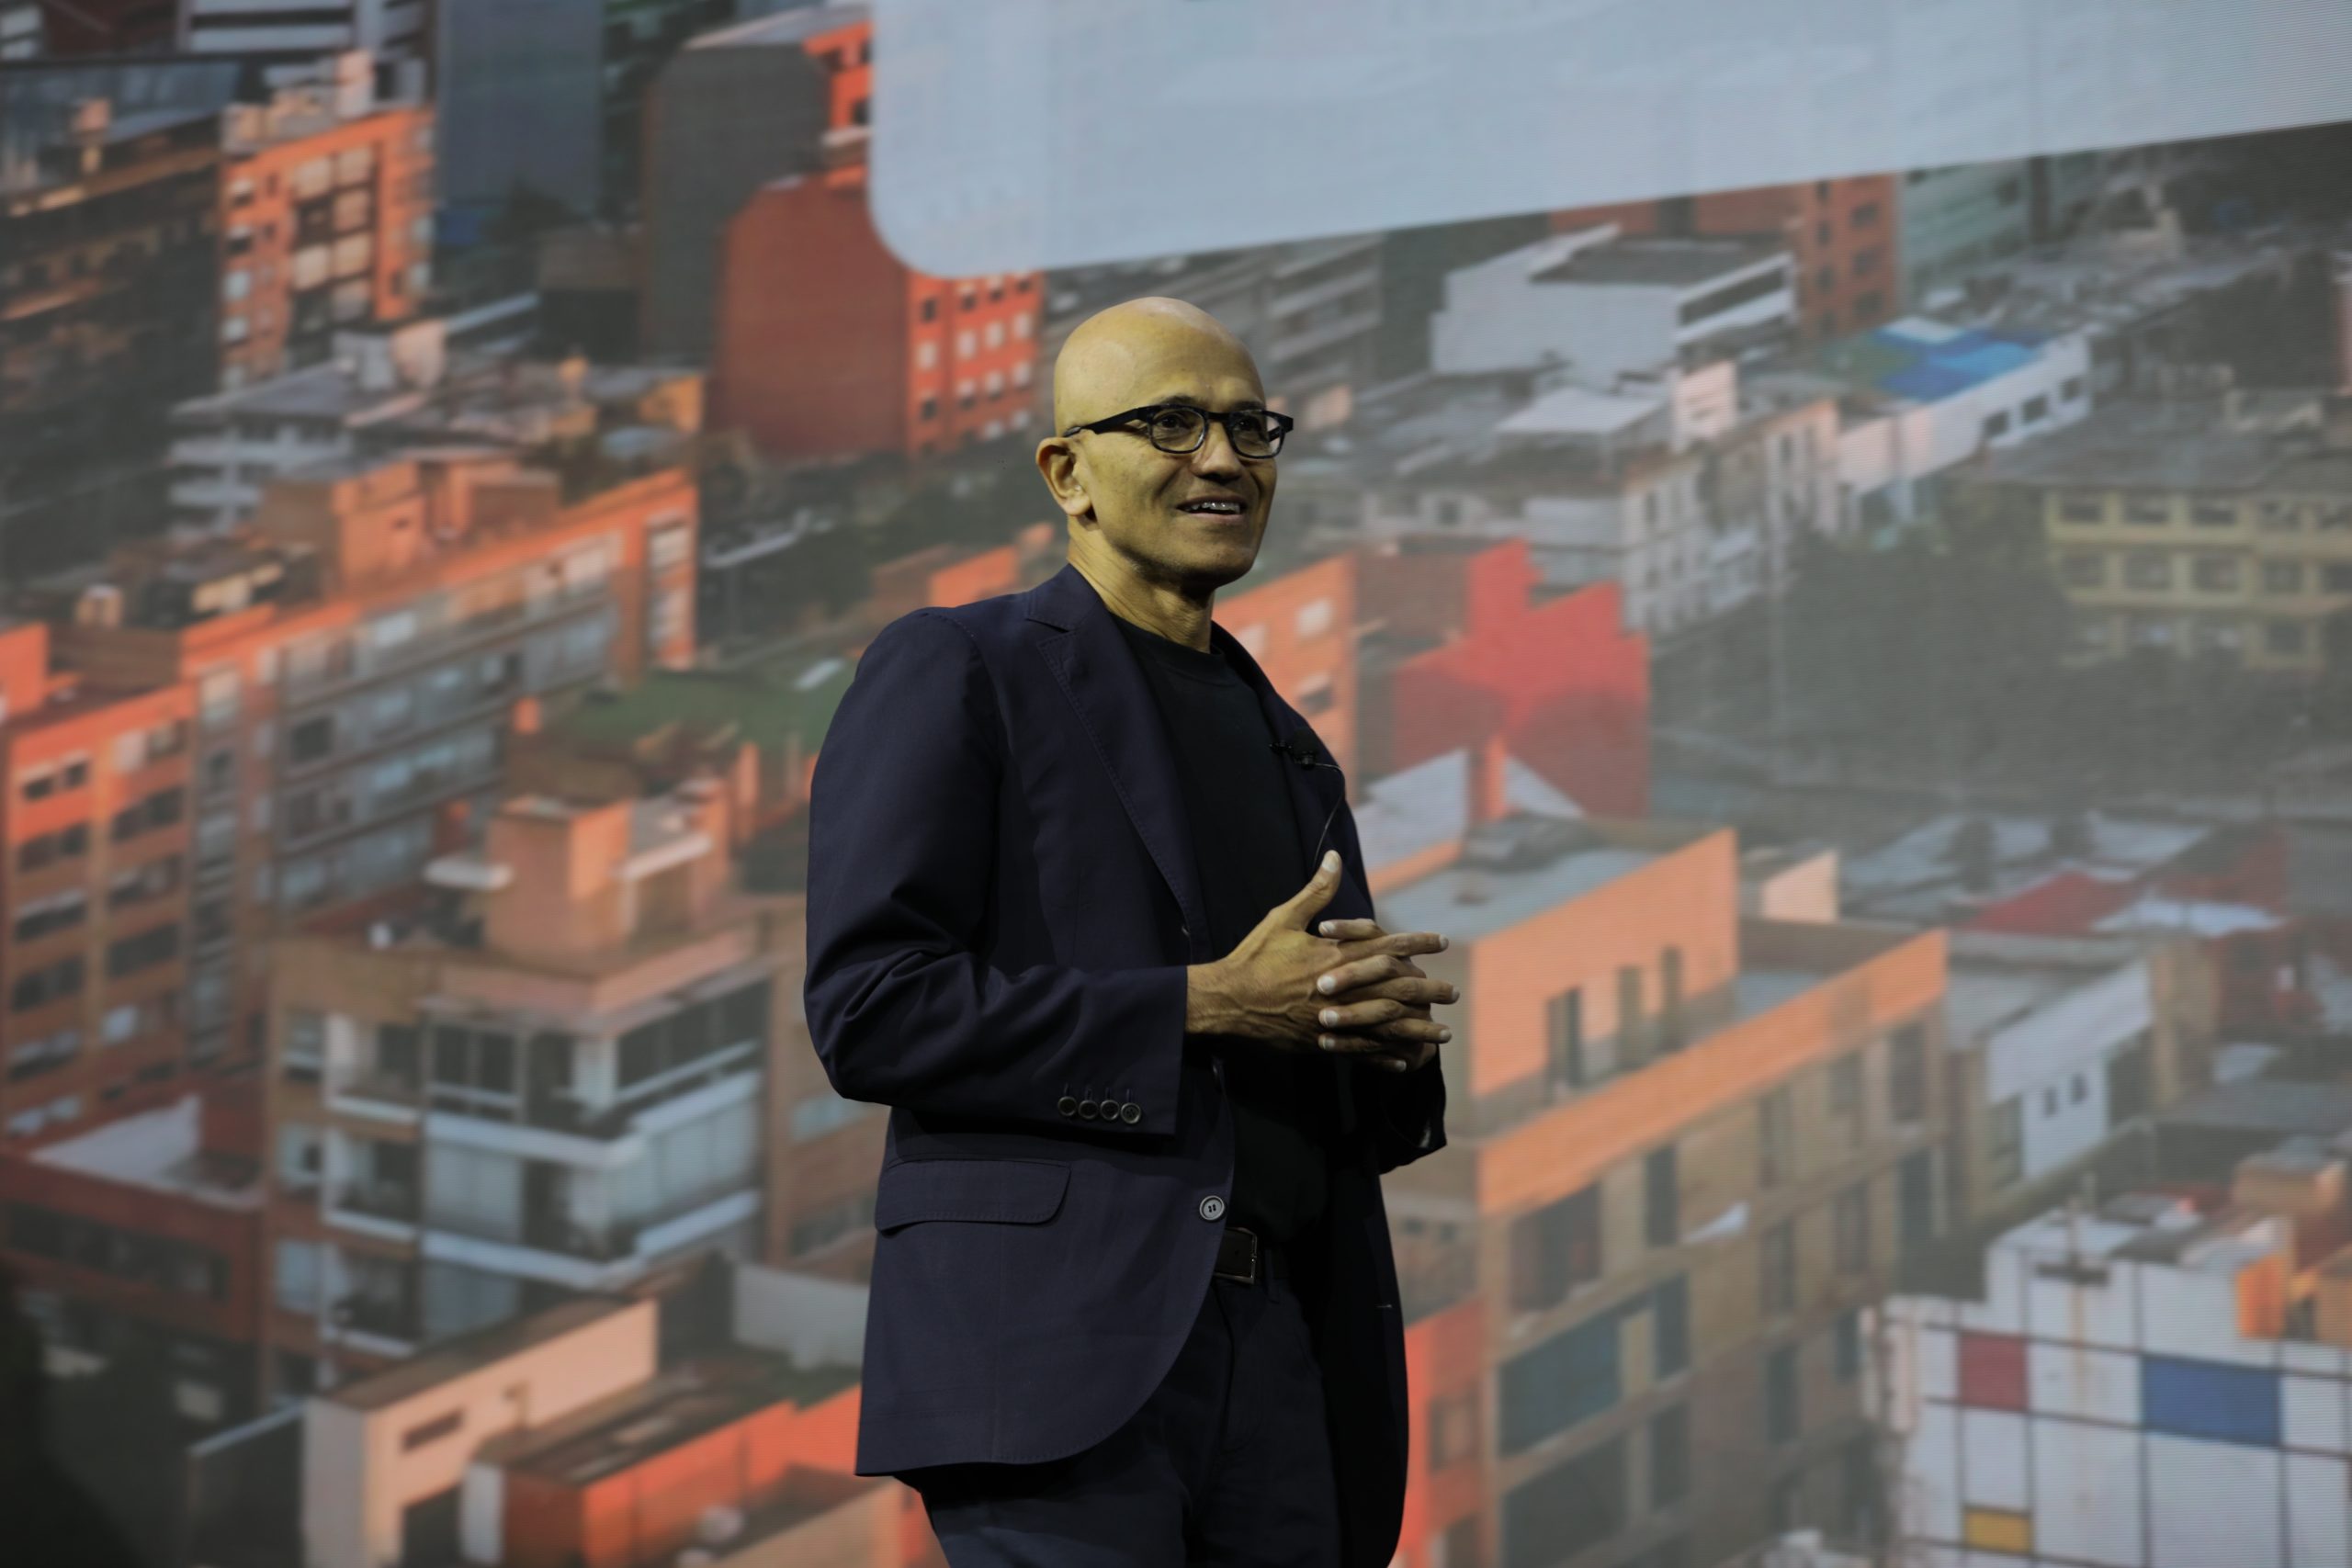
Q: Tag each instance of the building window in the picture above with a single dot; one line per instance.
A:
(2037, 409)
(1916, 1201)
(1907, 1073)
(1670, 1329)
(2283, 577)
(2216, 574)
(2078, 570)
(2214, 515)
(1775, 1137)
(1566, 1509)
(1997, 425)
(1777, 1270)
(1846, 1345)
(1782, 1420)
(1554, 1250)
(1567, 1379)
(1563, 1029)
(1850, 1225)
(1661, 1197)
(1669, 1457)
(2285, 636)
(2082, 509)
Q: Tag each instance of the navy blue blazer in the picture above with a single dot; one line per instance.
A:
(1002, 905)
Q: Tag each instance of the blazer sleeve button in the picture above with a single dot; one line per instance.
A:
(1067, 1105)
(1087, 1110)
(1131, 1114)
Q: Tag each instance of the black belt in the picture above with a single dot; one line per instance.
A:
(1244, 1255)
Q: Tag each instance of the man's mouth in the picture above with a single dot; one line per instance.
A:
(1219, 507)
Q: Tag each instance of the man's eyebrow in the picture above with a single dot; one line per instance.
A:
(1191, 401)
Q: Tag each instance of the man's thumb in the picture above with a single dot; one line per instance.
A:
(1320, 886)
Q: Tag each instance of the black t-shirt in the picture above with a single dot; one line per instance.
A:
(1245, 855)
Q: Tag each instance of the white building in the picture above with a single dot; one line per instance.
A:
(2123, 1394)
(1687, 488)
(2057, 1037)
(1601, 305)
(1922, 396)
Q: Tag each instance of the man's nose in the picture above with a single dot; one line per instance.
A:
(1216, 455)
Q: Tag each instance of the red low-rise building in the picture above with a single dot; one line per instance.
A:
(1464, 653)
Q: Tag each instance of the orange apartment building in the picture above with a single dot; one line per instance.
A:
(325, 222)
(1844, 234)
(353, 655)
(549, 1072)
(93, 894)
(1686, 1147)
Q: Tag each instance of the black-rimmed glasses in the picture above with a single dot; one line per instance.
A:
(1181, 428)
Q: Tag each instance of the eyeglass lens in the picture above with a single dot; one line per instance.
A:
(1182, 429)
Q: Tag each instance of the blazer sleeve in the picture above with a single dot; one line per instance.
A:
(904, 1006)
(1405, 1112)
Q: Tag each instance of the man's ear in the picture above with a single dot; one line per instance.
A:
(1058, 461)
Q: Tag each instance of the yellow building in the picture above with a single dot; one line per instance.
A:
(2206, 525)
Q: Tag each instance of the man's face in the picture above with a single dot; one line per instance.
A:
(1160, 509)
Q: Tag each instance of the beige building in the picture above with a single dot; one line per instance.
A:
(1687, 1147)
(2219, 525)
(549, 1073)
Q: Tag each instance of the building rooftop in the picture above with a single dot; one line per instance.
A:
(1429, 803)
(1510, 872)
(1669, 264)
(796, 26)
(472, 1352)
(2220, 445)
(1581, 411)
(1916, 876)
(681, 1402)
(769, 704)
(161, 1150)
(1925, 361)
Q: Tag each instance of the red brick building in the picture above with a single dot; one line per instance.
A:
(829, 346)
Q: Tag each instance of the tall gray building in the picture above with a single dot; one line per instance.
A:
(733, 111)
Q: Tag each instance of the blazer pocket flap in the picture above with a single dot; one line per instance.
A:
(1009, 1191)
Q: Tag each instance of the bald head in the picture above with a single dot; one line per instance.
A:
(1113, 358)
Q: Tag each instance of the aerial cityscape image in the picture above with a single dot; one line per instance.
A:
(633, 934)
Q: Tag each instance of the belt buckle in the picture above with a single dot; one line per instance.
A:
(1250, 1276)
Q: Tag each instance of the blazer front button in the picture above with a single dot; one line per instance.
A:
(1212, 1207)
(1067, 1105)
(1131, 1114)
(1085, 1110)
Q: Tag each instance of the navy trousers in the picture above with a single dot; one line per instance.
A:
(1226, 1462)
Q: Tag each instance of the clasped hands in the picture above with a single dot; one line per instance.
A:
(1352, 990)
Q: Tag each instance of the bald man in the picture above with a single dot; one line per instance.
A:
(1087, 910)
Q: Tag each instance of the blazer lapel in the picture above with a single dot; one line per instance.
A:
(1098, 673)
